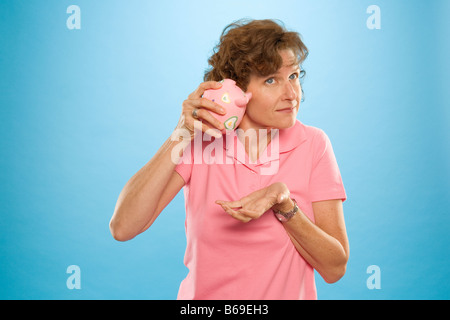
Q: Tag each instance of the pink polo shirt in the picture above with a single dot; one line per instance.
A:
(228, 259)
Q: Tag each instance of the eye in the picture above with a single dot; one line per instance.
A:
(270, 81)
(293, 76)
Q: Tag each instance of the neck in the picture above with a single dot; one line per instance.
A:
(254, 139)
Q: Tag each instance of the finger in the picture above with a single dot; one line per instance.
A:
(235, 214)
(205, 115)
(207, 129)
(242, 218)
(202, 103)
(211, 106)
(231, 204)
(249, 213)
(203, 87)
(227, 208)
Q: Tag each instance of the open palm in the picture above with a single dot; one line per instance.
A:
(256, 203)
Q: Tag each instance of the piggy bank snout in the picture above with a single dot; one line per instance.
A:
(242, 102)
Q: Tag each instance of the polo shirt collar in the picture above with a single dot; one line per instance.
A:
(292, 137)
(288, 139)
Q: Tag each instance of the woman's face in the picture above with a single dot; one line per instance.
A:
(276, 98)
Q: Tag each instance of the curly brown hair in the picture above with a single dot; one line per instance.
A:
(252, 47)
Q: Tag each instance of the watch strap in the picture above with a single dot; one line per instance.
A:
(286, 216)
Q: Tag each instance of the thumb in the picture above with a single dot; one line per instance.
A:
(281, 197)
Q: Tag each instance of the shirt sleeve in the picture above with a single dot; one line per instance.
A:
(184, 166)
(325, 180)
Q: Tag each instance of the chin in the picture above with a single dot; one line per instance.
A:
(285, 123)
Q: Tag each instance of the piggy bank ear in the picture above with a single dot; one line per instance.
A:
(242, 102)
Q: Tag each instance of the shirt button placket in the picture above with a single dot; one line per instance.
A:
(254, 180)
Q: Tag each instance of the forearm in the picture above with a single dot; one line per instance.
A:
(322, 251)
(153, 186)
(322, 244)
(138, 201)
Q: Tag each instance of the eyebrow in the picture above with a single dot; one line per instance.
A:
(294, 67)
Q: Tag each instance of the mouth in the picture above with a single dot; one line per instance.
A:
(286, 110)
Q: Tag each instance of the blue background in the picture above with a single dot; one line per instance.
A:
(83, 110)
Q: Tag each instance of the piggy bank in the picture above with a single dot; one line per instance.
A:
(232, 99)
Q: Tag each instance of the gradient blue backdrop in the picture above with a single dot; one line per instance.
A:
(83, 110)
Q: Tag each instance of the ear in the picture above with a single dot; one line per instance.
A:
(242, 102)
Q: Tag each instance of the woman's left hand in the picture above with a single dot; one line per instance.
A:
(254, 205)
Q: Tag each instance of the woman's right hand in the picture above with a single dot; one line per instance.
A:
(207, 121)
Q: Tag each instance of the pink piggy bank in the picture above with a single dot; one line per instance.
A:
(232, 99)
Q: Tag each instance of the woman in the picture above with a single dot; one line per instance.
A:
(250, 234)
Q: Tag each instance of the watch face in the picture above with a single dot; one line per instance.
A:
(283, 217)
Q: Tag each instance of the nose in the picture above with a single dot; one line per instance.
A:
(290, 92)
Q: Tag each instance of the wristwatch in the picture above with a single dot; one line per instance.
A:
(286, 216)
